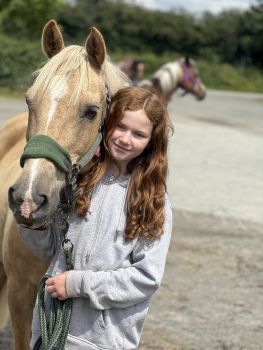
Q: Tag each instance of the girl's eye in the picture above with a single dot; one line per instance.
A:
(120, 126)
(138, 134)
(91, 112)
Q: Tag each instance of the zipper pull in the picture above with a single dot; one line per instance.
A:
(112, 177)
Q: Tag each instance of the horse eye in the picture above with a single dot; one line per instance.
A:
(91, 112)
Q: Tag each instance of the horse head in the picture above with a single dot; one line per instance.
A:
(66, 103)
(181, 73)
(190, 80)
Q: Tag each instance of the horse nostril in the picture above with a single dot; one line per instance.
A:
(41, 199)
(10, 195)
(12, 200)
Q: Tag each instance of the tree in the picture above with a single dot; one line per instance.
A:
(26, 18)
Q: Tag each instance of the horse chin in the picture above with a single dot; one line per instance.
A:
(32, 222)
(201, 97)
(34, 226)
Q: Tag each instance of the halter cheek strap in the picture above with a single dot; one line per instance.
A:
(92, 150)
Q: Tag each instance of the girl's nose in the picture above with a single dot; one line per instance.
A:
(125, 138)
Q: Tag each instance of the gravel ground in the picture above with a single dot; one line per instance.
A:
(212, 293)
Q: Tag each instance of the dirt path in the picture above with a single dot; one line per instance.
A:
(212, 293)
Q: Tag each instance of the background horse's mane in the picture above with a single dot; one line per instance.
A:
(70, 59)
(171, 75)
(168, 75)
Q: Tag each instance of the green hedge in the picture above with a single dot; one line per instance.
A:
(19, 59)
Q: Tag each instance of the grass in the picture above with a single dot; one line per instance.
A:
(8, 92)
(228, 77)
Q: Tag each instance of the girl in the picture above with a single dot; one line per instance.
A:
(120, 228)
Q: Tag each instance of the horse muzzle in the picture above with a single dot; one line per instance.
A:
(31, 212)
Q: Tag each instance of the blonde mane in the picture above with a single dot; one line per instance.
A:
(72, 59)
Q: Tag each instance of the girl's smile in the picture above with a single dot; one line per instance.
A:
(120, 148)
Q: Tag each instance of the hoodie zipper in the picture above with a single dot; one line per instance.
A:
(98, 218)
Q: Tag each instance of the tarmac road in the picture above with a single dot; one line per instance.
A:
(212, 293)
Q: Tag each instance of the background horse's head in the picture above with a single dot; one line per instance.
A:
(182, 73)
(191, 81)
(67, 103)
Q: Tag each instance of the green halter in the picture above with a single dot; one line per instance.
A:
(43, 146)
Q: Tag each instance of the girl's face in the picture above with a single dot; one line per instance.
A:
(130, 137)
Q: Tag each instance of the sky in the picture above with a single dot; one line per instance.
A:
(195, 6)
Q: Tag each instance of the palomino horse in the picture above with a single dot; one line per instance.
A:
(67, 103)
(182, 74)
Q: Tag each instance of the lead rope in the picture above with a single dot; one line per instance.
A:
(54, 331)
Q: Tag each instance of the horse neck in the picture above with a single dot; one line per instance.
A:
(169, 75)
(114, 78)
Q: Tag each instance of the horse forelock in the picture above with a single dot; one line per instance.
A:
(68, 61)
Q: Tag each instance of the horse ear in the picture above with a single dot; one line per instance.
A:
(95, 47)
(188, 61)
(52, 40)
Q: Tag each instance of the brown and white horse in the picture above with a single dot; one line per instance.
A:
(66, 103)
(182, 73)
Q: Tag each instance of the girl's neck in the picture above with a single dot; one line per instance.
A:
(115, 171)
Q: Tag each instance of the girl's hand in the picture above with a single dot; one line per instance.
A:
(56, 286)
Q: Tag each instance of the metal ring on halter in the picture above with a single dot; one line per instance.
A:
(67, 241)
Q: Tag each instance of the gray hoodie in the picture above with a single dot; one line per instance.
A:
(113, 279)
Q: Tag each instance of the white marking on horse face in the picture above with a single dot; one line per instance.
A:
(28, 205)
(31, 175)
(59, 90)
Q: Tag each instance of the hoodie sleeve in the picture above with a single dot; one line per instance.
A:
(127, 286)
(41, 243)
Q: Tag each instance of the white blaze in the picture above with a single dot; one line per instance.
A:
(59, 90)
(28, 205)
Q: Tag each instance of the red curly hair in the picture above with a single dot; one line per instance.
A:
(147, 187)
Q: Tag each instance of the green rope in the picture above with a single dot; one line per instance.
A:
(54, 333)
